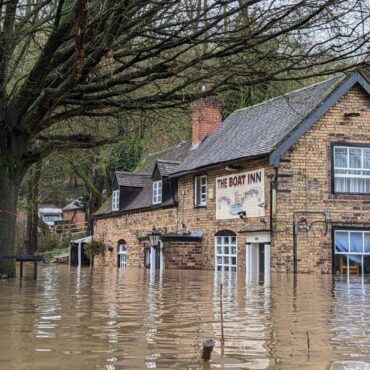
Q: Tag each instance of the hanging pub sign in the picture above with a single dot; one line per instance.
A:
(241, 192)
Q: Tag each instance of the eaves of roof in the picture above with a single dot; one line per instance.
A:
(316, 114)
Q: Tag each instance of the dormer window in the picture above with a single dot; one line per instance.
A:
(115, 200)
(200, 191)
(157, 192)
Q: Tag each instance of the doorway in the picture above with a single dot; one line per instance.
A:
(154, 258)
(258, 256)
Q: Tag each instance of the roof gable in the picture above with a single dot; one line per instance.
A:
(316, 114)
(131, 179)
(164, 167)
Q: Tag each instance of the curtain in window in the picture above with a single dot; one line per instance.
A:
(342, 245)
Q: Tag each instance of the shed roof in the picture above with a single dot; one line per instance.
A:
(73, 206)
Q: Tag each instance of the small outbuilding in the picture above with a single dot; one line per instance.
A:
(77, 255)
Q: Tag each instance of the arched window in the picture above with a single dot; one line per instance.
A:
(225, 250)
(121, 253)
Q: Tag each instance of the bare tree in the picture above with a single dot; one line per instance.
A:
(61, 59)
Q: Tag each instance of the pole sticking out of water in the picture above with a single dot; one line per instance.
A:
(308, 342)
(207, 349)
(222, 318)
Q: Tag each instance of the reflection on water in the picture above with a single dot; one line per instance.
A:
(137, 319)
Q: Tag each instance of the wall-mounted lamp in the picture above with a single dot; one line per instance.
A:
(242, 214)
(154, 237)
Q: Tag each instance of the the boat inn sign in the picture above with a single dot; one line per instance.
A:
(239, 193)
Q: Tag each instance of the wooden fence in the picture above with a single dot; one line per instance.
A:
(70, 228)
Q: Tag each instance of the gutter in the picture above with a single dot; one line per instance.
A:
(127, 212)
(217, 165)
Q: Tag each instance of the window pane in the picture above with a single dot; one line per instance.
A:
(233, 239)
(367, 243)
(366, 158)
(340, 157)
(356, 242)
(340, 185)
(225, 252)
(341, 241)
(366, 266)
(355, 158)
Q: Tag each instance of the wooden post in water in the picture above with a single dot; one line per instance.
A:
(308, 343)
(207, 349)
(21, 270)
(222, 318)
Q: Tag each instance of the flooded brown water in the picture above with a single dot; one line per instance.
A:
(134, 319)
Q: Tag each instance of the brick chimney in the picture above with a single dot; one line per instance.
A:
(206, 116)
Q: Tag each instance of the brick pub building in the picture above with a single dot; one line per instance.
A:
(280, 186)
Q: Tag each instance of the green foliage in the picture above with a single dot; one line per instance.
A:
(94, 248)
(51, 241)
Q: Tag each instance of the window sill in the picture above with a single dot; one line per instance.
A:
(356, 196)
(196, 206)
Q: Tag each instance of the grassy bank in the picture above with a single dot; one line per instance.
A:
(48, 255)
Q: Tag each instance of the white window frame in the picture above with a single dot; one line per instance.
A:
(224, 258)
(362, 172)
(157, 192)
(115, 200)
(200, 199)
(122, 255)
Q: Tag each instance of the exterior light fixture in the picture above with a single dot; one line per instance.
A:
(154, 237)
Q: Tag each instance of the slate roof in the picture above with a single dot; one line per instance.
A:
(166, 167)
(175, 153)
(166, 160)
(132, 179)
(257, 130)
(260, 130)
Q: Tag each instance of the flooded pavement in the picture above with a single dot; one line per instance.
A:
(135, 319)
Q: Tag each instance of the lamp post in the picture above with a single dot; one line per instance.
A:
(154, 237)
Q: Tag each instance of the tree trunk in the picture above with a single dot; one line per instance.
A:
(9, 189)
(32, 209)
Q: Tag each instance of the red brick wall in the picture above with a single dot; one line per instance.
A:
(183, 254)
(76, 217)
(206, 117)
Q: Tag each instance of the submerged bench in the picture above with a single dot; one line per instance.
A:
(24, 258)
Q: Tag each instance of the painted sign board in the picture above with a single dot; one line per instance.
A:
(240, 192)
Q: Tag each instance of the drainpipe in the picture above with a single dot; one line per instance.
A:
(294, 246)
